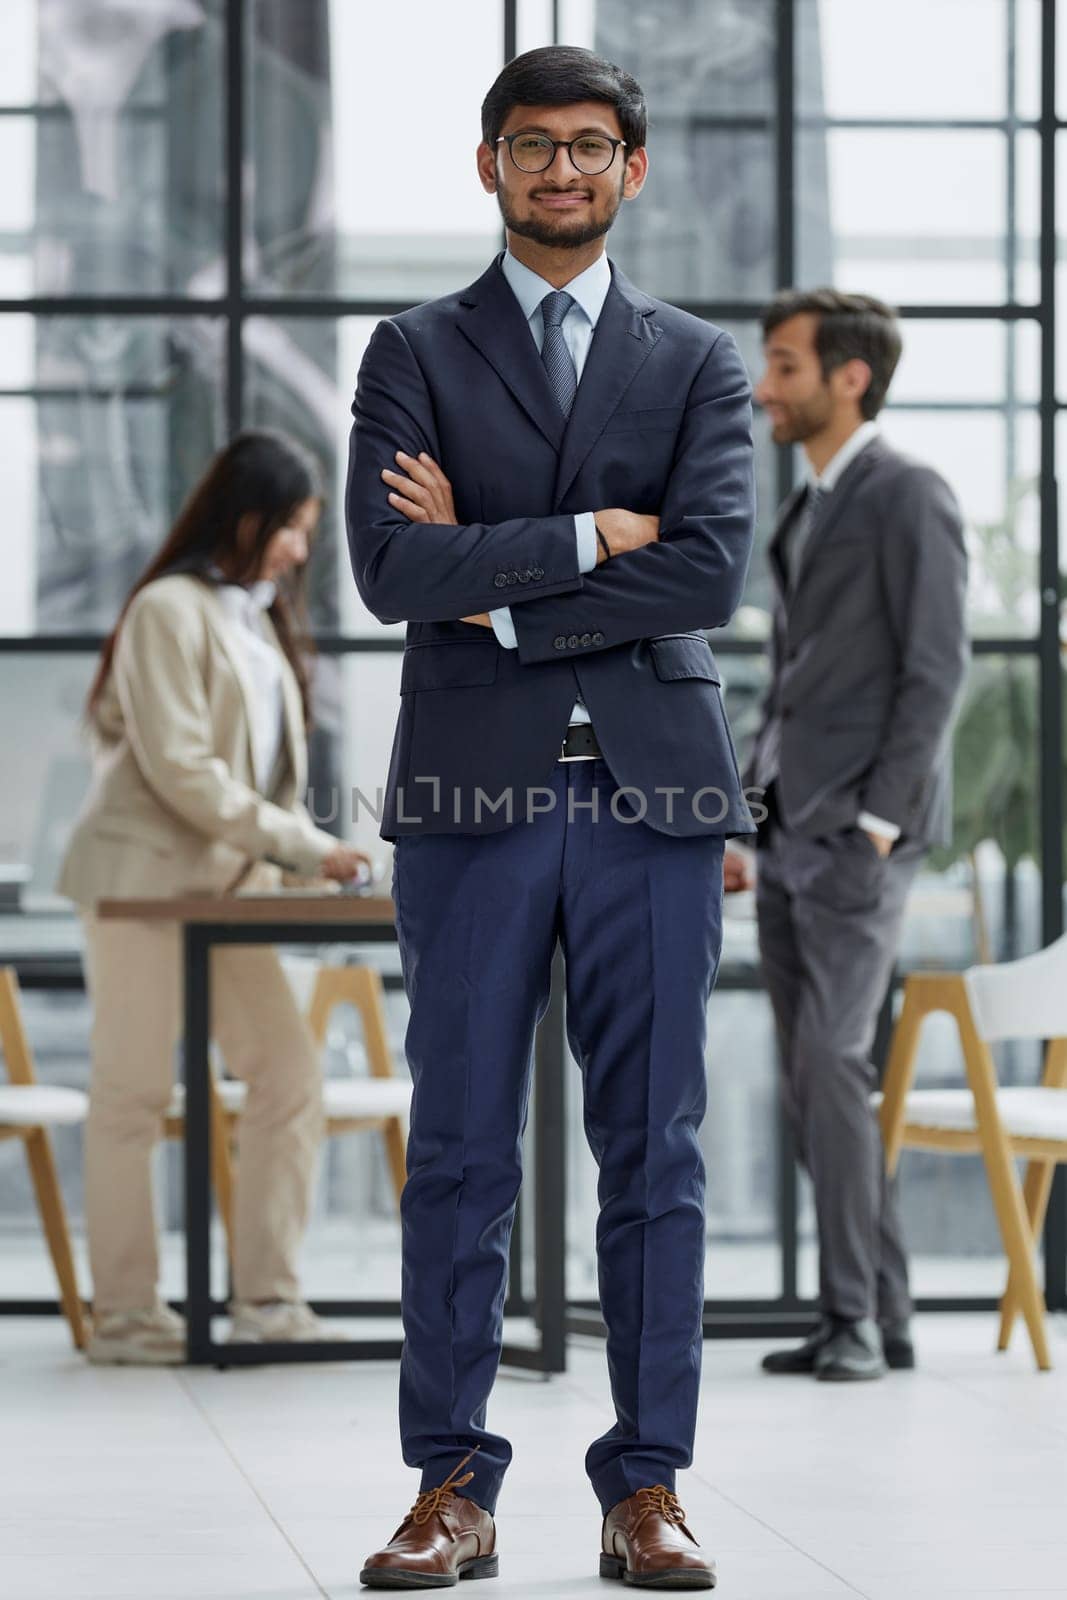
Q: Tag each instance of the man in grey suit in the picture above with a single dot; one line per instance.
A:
(869, 649)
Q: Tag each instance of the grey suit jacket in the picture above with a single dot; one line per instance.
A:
(869, 652)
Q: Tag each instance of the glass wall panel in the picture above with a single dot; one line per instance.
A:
(704, 226)
(840, 78)
(364, 185)
(942, 239)
(105, 424)
(300, 376)
(41, 703)
(991, 463)
(110, 135)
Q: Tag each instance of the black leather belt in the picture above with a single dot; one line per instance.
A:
(580, 744)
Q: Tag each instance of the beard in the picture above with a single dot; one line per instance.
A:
(559, 233)
(802, 421)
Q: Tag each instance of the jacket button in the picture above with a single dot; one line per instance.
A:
(524, 577)
(598, 638)
(513, 577)
(501, 580)
(572, 641)
(538, 572)
(587, 638)
(559, 642)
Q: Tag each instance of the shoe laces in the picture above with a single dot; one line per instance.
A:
(439, 1500)
(659, 1501)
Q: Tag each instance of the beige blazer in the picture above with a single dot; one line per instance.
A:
(173, 807)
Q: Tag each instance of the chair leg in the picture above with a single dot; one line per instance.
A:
(330, 989)
(1004, 1183)
(369, 999)
(54, 1217)
(1037, 1187)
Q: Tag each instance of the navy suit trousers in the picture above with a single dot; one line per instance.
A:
(639, 917)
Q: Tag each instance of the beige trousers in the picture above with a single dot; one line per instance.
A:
(133, 974)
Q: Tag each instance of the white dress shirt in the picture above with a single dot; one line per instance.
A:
(244, 608)
(589, 291)
(827, 480)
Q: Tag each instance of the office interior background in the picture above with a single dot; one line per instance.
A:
(206, 206)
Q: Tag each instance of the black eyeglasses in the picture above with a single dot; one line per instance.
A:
(535, 152)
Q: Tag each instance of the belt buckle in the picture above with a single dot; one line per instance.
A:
(563, 756)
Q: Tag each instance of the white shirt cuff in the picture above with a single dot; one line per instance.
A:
(504, 628)
(872, 824)
(585, 533)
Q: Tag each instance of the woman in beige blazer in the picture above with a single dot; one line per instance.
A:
(198, 716)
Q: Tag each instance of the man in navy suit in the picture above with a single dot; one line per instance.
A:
(551, 483)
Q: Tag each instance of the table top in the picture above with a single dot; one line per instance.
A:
(282, 906)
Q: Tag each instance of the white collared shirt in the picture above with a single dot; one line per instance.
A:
(244, 608)
(828, 479)
(588, 290)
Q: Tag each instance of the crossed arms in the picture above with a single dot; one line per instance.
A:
(413, 561)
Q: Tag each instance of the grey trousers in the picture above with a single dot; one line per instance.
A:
(829, 912)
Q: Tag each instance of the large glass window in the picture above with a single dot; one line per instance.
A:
(206, 209)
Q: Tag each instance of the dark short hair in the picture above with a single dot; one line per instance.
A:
(850, 327)
(563, 75)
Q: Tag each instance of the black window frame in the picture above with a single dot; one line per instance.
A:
(238, 302)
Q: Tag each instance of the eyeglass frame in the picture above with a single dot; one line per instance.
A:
(561, 144)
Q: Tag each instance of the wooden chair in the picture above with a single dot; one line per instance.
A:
(1024, 999)
(378, 1101)
(27, 1110)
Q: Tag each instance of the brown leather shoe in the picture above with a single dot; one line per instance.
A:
(646, 1542)
(443, 1538)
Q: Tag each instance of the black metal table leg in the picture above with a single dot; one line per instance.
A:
(547, 1356)
(196, 1066)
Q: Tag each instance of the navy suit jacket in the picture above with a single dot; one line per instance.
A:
(661, 423)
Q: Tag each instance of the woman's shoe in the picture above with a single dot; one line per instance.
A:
(280, 1322)
(154, 1337)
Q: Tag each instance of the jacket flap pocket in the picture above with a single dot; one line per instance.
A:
(460, 664)
(684, 655)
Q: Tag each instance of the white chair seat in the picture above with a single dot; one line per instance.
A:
(1026, 1113)
(39, 1105)
(342, 1097)
(367, 1097)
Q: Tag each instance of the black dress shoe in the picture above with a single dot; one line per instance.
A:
(852, 1354)
(896, 1342)
(801, 1358)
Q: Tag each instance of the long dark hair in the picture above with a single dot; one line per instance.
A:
(259, 475)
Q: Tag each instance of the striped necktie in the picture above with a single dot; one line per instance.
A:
(801, 533)
(558, 361)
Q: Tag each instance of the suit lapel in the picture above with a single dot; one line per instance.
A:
(222, 630)
(624, 337)
(491, 318)
(774, 550)
(834, 505)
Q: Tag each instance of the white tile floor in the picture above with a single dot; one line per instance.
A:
(272, 1483)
